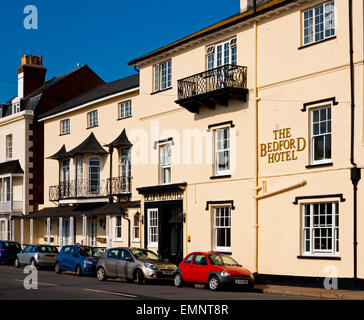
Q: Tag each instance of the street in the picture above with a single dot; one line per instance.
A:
(67, 286)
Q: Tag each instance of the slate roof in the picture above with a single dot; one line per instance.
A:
(102, 91)
(61, 154)
(88, 146)
(121, 141)
(11, 167)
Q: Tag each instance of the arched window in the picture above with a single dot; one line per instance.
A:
(94, 176)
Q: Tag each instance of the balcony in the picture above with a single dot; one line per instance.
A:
(86, 189)
(11, 206)
(215, 86)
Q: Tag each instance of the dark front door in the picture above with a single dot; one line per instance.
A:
(170, 229)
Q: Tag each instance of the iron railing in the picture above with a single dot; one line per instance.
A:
(90, 188)
(227, 76)
(11, 206)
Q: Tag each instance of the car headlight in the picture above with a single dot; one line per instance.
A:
(224, 273)
(150, 266)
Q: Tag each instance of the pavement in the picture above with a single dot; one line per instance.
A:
(317, 293)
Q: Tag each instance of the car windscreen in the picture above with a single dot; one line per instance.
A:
(222, 260)
(47, 249)
(11, 245)
(89, 252)
(142, 254)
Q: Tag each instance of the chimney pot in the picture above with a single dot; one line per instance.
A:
(243, 6)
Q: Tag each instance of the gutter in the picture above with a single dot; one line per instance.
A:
(355, 172)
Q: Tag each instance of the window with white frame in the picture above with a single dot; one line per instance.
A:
(320, 228)
(222, 229)
(9, 146)
(16, 108)
(319, 23)
(165, 163)
(125, 109)
(321, 135)
(118, 228)
(93, 120)
(221, 54)
(222, 150)
(136, 227)
(163, 76)
(152, 228)
(65, 126)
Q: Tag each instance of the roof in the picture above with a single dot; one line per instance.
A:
(102, 91)
(11, 167)
(88, 209)
(262, 7)
(61, 154)
(163, 188)
(121, 141)
(88, 146)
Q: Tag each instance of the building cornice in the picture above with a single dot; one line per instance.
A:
(26, 114)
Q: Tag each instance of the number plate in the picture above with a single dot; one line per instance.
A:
(241, 281)
(168, 272)
(49, 256)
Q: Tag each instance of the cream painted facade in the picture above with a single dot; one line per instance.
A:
(286, 83)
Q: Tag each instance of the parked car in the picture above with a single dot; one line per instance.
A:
(215, 269)
(8, 251)
(79, 259)
(134, 264)
(37, 255)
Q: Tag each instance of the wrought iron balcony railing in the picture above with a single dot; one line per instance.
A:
(212, 86)
(90, 188)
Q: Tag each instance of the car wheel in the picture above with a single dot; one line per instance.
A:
(214, 283)
(101, 275)
(178, 280)
(57, 268)
(139, 276)
(79, 271)
(16, 263)
(33, 263)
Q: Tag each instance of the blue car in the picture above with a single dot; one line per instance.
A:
(8, 251)
(79, 259)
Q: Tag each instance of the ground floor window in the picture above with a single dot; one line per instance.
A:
(153, 228)
(136, 227)
(321, 228)
(222, 229)
(118, 228)
(93, 233)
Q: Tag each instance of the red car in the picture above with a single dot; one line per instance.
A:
(215, 269)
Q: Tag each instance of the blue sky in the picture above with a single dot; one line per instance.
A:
(105, 35)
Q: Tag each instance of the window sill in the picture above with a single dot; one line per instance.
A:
(156, 92)
(64, 134)
(88, 128)
(221, 177)
(318, 165)
(223, 252)
(317, 42)
(124, 118)
(118, 240)
(315, 257)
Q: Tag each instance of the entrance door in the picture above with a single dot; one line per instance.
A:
(93, 233)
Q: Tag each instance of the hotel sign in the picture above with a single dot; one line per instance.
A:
(283, 148)
(163, 196)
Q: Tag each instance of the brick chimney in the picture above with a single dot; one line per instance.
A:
(31, 75)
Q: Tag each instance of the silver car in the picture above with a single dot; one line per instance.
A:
(134, 264)
(37, 255)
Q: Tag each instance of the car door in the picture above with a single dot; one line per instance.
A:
(65, 258)
(23, 257)
(123, 266)
(111, 261)
(186, 269)
(200, 269)
(75, 258)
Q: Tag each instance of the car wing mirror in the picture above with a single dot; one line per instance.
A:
(129, 259)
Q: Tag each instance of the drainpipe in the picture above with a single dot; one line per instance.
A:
(111, 199)
(127, 219)
(355, 172)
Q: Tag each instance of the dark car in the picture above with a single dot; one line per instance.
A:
(214, 269)
(79, 259)
(8, 251)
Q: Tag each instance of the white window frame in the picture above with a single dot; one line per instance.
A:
(92, 119)
(334, 251)
(88, 179)
(152, 244)
(215, 210)
(327, 20)
(116, 227)
(163, 76)
(219, 172)
(165, 163)
(134, 227)
(212, 54)
(9, 146)
(65, 126)
(313, 136)
(125, 109)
